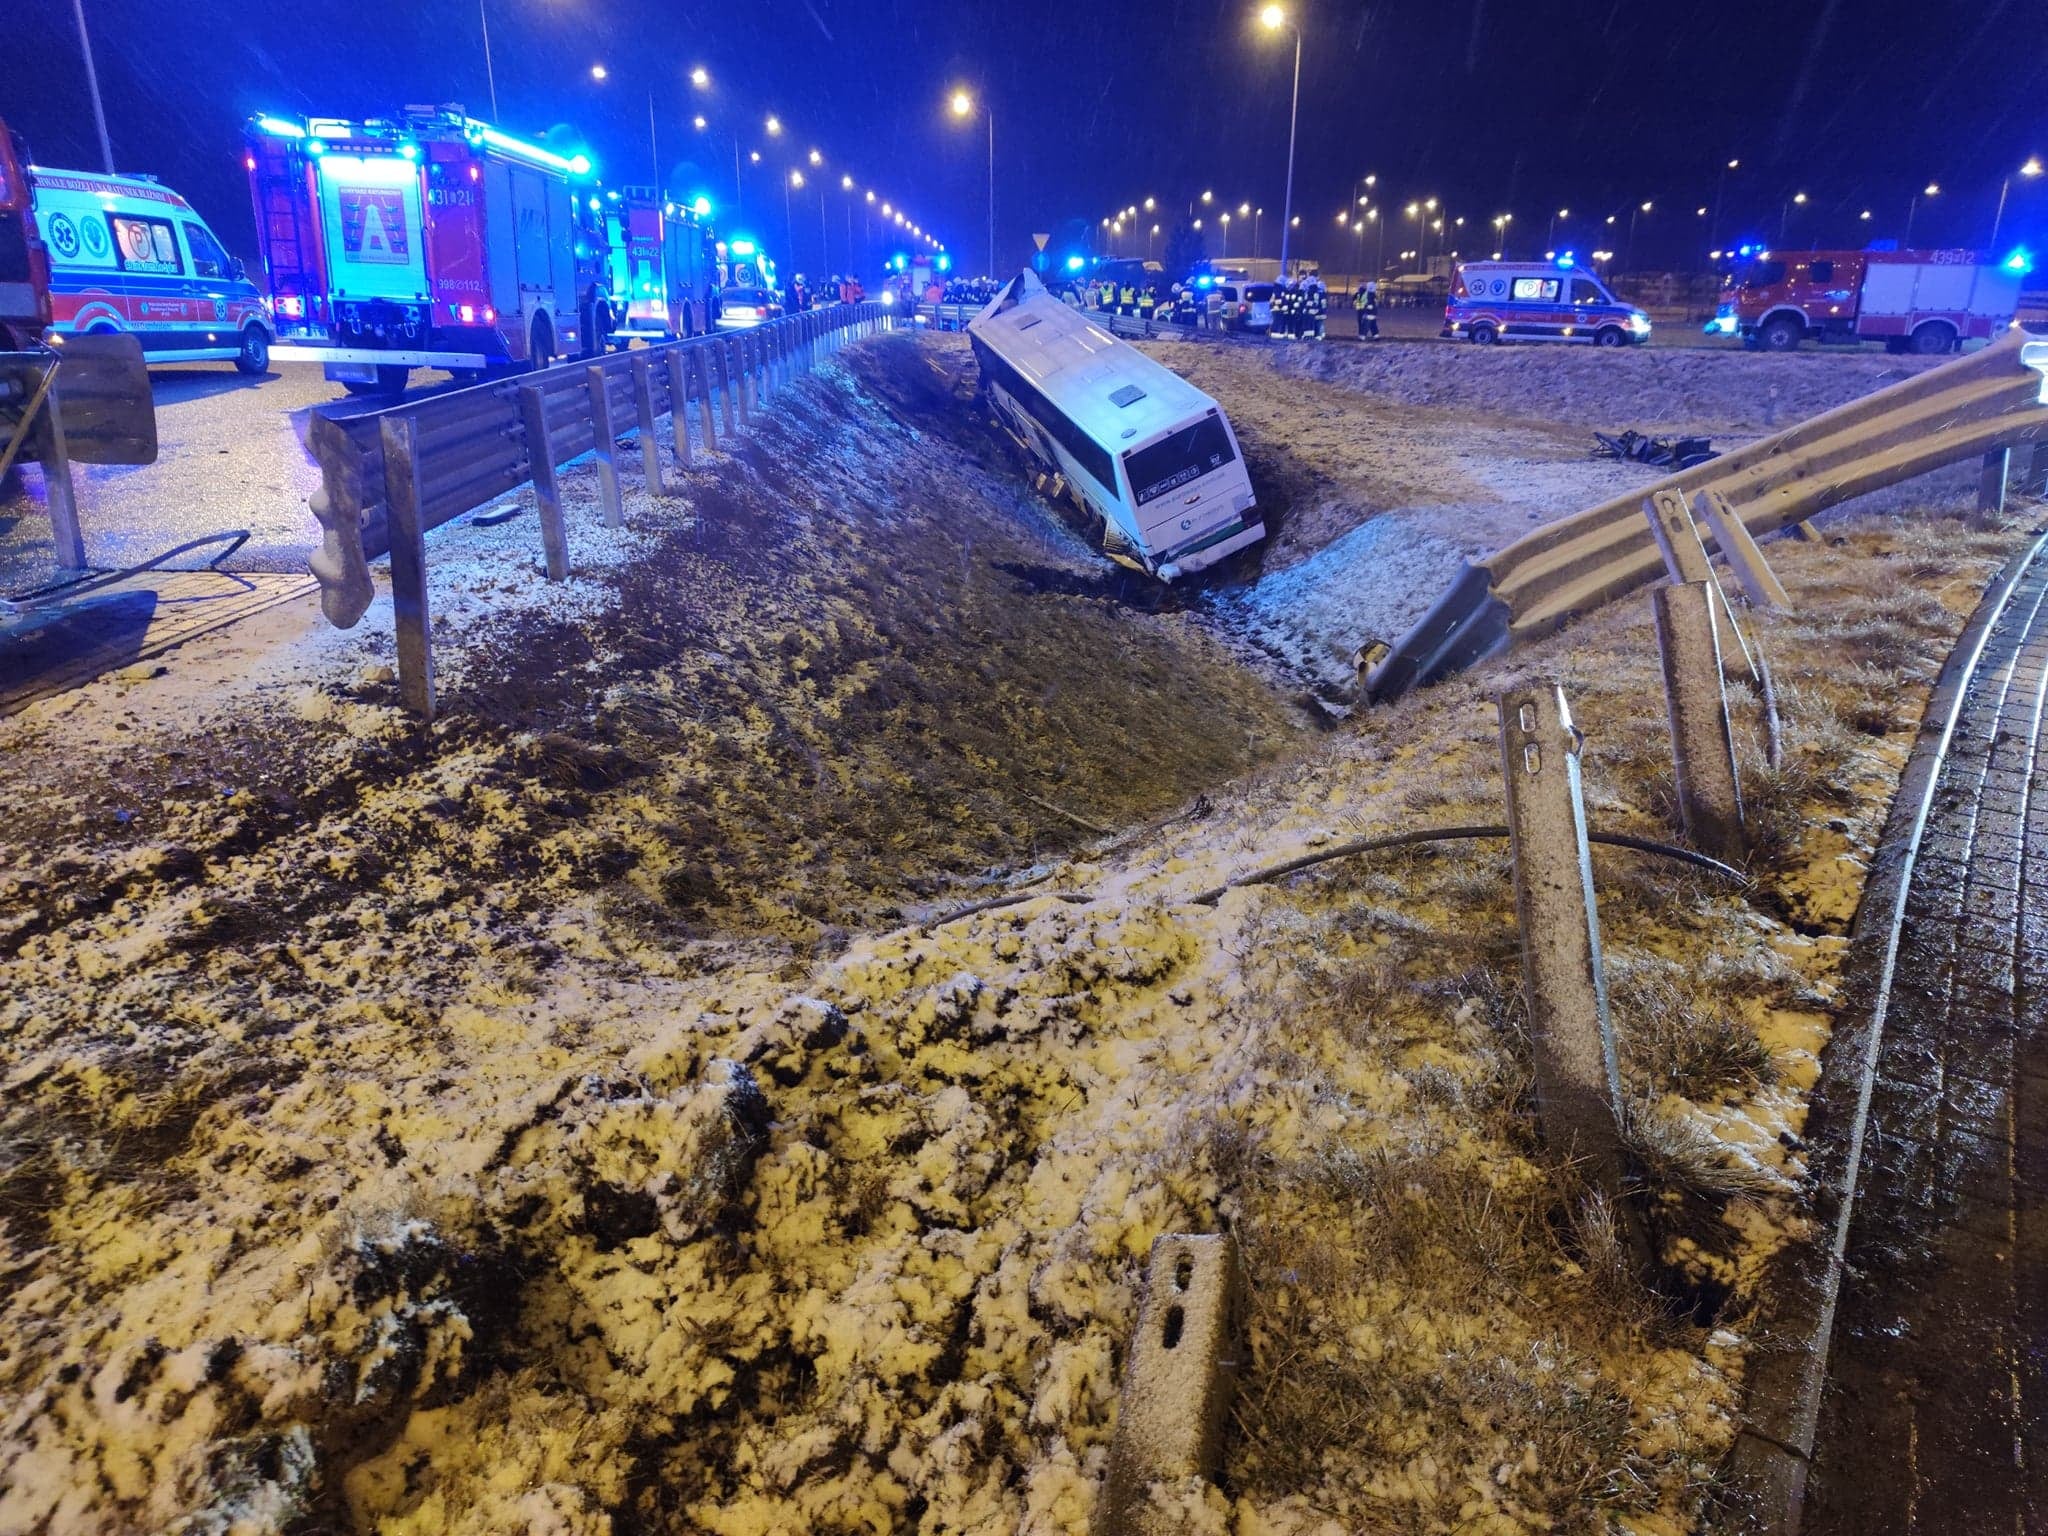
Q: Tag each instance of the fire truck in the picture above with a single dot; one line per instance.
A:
(661, 260)
(430, 240)
(24, 261)
(1912, 301)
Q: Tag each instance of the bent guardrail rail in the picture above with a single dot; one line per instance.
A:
(390, 476)
(1984, 403)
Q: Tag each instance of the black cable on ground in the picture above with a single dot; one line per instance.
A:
(1452, 834)
(234, 538)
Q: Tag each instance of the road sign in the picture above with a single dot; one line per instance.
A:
(1041, 239)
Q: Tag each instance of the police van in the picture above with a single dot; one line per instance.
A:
(1494, 301)
(129, 254)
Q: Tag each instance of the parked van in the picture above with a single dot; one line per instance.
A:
(1494, 301)
(24, 264)
(129, 254)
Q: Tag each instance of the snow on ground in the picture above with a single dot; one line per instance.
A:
(580, 1116)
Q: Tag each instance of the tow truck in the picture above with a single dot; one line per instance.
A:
(428, 240)
(1912, 301)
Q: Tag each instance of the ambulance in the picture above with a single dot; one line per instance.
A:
(129, 254)
(429, 240)
(1492, 301)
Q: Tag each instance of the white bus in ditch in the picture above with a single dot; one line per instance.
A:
(1136, 444)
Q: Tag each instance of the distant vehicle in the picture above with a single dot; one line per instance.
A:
(1243, 307)
(24, 261)
(1133, 443)
(129, 254)
(1494, 301)
(659, 263)
(429, 241)
(741, 308)
(1912, 301)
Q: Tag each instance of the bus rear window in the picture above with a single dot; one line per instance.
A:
(1174, 461)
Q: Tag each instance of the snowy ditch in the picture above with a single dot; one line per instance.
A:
(570, 1118)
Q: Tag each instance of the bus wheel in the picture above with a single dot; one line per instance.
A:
(254, 358)
(1932, 338)
(1781, 333)
(1484, 335)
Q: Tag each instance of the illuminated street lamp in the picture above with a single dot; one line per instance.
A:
(1720, 187)
(2030, 170)
(599, 72)
(1785, 214)
(1628, 257)
(774, 124)
(1932, 189)
(816, 158)
(1500, 232)
(963, 106)
(1550, 235)
(1273, 18)
(700, 77)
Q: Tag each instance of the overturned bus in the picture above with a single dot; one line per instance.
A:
(1130, 441)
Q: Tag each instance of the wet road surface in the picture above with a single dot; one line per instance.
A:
(1935, 1417)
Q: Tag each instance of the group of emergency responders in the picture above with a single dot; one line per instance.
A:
(1300, 305)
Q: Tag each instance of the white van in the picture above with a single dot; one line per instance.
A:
(129, 254)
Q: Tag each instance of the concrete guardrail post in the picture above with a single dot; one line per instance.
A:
(1578, 1080)
(605, 449)
(1685, 559)
(1178, 1378)
(408, 565)
(1760, 584)
(1991, 477)
(2035, 481)
(60, 492)
(1703, 744)
(643, 410)
(679, 404)
(547, 495)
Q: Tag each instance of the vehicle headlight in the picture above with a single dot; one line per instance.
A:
(1639, 323)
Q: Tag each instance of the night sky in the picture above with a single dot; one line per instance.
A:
(1491, 105)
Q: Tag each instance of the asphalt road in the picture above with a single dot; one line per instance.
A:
(230, 456)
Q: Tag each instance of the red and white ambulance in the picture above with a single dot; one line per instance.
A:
(430, 240)
(129, 254)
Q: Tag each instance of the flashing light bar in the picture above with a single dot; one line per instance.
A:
(2019, 261)
(742, 247)
(280, 128)
(376, 170)
(1075, 263)
(701, 207)
(572, 165)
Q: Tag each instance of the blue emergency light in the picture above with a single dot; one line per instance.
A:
(278, 127)
(2019, 261)
(1075, 263)
(701, 207)
(945, 263)
(742, 247)
(1567, 260)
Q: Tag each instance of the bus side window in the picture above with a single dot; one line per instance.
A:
(208, 259)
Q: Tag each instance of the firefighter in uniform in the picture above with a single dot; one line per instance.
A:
(1127, 300)
(1283, 310)
(1368, 305)
(1319, 307)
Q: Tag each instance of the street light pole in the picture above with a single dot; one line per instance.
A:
(92, 81)
(490, 74)
(2031, 168)
(1275, 18)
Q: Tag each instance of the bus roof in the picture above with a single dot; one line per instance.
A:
(1083, 369)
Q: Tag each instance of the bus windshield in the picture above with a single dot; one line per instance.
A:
(1173, 461)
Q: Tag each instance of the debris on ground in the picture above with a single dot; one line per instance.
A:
(1658, 452)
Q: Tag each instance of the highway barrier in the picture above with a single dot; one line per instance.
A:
(390, 476)
(1986, 403)
(83, 399)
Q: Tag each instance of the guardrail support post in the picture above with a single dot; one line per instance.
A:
(700, 371)
(1703, 744)
(408, 565)
(547, 493)
(1685, 559)
(679, 404)
(643, 408)
(2035, 481)
(1991, 483)
(605, 446)
(1578, 1081)
(58, 488)
(722, 350)
(1760, 584)
(742, 380)
(1178, 1377)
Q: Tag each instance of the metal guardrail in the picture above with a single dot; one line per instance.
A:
(1988, 402)
(390, 476)
(954, 317)
(83, 399)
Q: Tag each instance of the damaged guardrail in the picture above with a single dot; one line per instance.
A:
(389, 476)
(78, 398)
(1978, 407)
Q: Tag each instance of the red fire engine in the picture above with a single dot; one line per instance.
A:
(24, 263)
(1912, 301)
(428, 241)
(662, 261)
